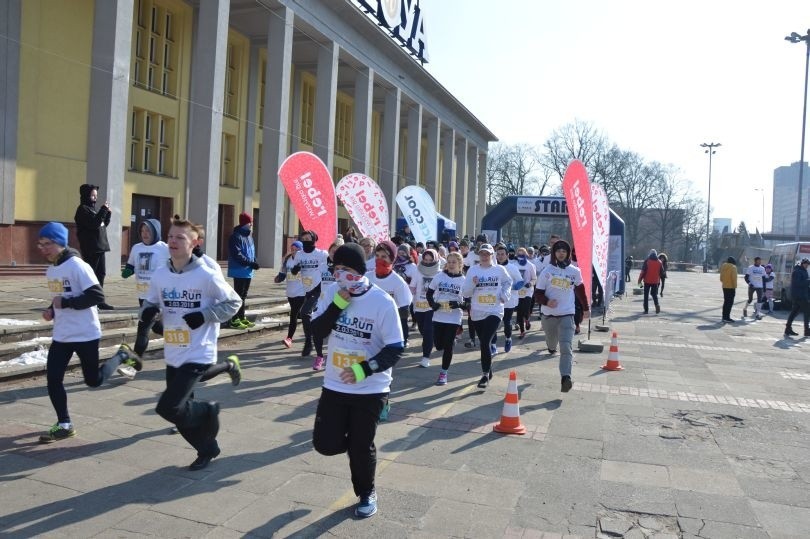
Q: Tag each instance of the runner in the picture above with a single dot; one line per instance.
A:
(311, 263)
(428, 268)
(294, 290)
(445, 299)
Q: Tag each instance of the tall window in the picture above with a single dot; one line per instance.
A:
(227, 171)
(307, 111)
(154, 67)
(231, 107)
(258, 181)
(343, 128)
(151, 148)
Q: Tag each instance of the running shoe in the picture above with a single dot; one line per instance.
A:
(287, 342)
(129, 358)
(442, 379)
(318, 364)
(247, 323)
(484, 381)
(566, 384)
(493, 349)
(127, 371)
(507, 345)
(425, 362)
(367, 506)
(237, 324)
(57, 433)
(470, 344)
(528, 324)
(234, 370)
(307, 349)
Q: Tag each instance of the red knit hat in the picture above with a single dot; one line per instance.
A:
(244, 219)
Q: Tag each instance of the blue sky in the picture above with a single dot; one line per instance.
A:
(658, 78)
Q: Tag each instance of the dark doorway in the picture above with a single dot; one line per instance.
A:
(225, 224)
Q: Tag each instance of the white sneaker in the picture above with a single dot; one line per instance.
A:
(127, 371)
(425, 362)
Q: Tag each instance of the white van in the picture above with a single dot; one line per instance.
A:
(783, 258)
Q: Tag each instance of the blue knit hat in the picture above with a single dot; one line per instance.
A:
(56, 232)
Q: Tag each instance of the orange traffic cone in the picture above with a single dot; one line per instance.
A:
(510, 417)
(613, 356)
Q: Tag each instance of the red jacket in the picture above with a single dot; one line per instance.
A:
(651, 271)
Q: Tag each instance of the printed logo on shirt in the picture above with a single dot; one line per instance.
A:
(449, 288)
(145, 261)
(182, 299)
(484, 282)
(355, 326)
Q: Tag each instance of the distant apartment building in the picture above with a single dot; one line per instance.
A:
(785, 191)
(722, 225)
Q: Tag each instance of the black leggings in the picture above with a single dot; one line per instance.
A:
(524, 310)
(507, 325)
(486, 329)
(295, 309)
(59, 355)
(444, 338)
(306, 320)
(424, 321)
(241, 287)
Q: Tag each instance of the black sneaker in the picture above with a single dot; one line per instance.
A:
(57, 433)
(235, 370)
(105, 307)
(470, 344)
(566, 384)
(484, 381)
(551, 351)
(789, 332)
(307, 349)
(202, 461)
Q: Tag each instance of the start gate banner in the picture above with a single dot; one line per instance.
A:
(312, 194)
(366, 205)
(601, 232)
(420, 212)
(577, 192)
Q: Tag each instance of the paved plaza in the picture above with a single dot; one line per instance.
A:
(706, 433)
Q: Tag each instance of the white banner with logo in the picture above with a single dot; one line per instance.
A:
(419, 211)
(601, 231)
(366, 205)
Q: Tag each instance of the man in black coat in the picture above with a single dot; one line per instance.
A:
(800, 296)
(91, 228)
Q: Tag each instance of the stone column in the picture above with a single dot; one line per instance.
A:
(389, 151)
(109, 110)
(205, 116)
(9, 106)
(448, 182)
(274, 135)
(481, 206)
(432, 159)
(472, 191)
(363, 98)
(325, 104)
(413, 165)
(254, 71)
(458, 214)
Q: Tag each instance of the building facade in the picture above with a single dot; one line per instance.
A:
(190, 107)
(785, 191)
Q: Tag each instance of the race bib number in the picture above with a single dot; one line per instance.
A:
(522, 293)
(142, 287)
(342, 358)
(560, 282)
(487, 299)
(422, 305)
(177, 337)
(307, 281)
(55, 286)
(445, 307)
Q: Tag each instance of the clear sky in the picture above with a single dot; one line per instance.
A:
(658, 78)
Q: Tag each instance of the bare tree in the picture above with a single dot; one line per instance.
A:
(577, 140)
(513, 169)
(694, 227)
(667, 210)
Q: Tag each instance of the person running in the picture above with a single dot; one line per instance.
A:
(753, 276)
(311, 262)
(768, 282)
(445, 299)
(369, 244)
(241, 265)
(364, 330)
(470, 258)
(509, 306)
(662, 257)
(728, 281)
(76, 294)
(559, 287)
(651, 276)
(486, 288)
(528, 274)
(194, 301)
(294, 290)
(428, 268)
(383, 276)
(800, 296)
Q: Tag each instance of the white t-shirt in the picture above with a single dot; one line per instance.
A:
(489, 288)
(371, 264)
(211, 263)
(145, 259)
(365, 327)
(528, 274)
(411, 271)
(394, 285)
(419, 286)
(312, 267)
(769, 284)
(197, 289)
(446, 289)
(755, 274)
(470, 259)
(295, 289)
(514, 274)
(541, 263)
(70, 279)
(558, 283)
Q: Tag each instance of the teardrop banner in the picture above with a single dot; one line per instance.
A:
(577, 192)
(312, 194)
(366, 205)
(419, 211)
(601, 233)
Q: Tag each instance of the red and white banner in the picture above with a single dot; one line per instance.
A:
(365, 202)
(601, 232)
(419, 211)
(577, 192)
(312, 195)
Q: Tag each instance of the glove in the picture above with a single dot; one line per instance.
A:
(149, 314)
(279, 278)
(518, 285)
(141, 339)
(295, 269)
(466, 305)
(194, 320)
(435, 306)
(157, 327)
(128, 271)
(528, 285)
(254, 265)
(454, 304)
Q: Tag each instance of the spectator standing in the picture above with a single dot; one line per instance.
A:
(800, 295)
(91, 228)
(650, 274)
(662, 257)
(241, 265)
(728, 280)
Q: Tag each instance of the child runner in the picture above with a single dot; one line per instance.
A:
(365, 342)
(444, 297)
(422, 311)
(502, 257)
(311, 263)
(528, 274)
(295, 290)
(384, 277)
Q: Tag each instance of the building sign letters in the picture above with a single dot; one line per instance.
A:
(405, 21)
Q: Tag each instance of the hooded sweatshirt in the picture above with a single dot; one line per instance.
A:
(241, 253)
(144, 258)
(91, 224)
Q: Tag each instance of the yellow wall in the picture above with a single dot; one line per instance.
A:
(55, 58)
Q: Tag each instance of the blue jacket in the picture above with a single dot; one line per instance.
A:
(799, 284)
(241, 253)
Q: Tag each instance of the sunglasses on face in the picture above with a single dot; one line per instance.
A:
(346, 274)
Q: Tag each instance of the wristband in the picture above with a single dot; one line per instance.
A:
(339, 301)
(359, 373)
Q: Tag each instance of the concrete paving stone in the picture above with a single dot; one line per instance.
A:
(23, 498)
(275, 516)
(201, 502)
(88, 474)
(450, 518)
(578, 425)
(14, 466)
(706, 481)
(567, 445)
(542, 513)
(723, 530)
(788, 492)
(629, 410)
(782, 520)
(636, 498)
(762, 468)
(730, 509)
(152, 523)
(614, 526)
(634, 473)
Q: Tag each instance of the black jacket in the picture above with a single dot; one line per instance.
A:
(91, 225)
(799, 284)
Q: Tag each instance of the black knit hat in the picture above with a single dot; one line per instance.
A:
(561, 244)
(352, 256)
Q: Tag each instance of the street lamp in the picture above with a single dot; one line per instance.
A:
(709, 150)
(762, 190)
(796, 38)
